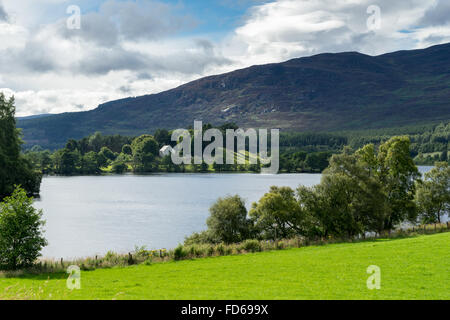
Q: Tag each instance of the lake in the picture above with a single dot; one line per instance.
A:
(91, 215)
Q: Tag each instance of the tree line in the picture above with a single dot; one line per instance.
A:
(428, 143)
(98, 154)
(372, 190)
(299, 151)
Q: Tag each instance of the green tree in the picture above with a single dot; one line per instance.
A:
(278, 215)
(14, 167)
(145, 150)
(346, 208)
(433, 194)
(119, 166)
(72, 145)
(317, 161)
(39, 159)
(366, 201)
(395, 170)
(21, 234)
(163, 137)
(398, 173)
(167, 163)
(90, 163)
(69, 162)
(107, 153)
(96, 142)
(228, 220)
(126, 149)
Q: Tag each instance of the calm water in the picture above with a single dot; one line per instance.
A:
(91, 215)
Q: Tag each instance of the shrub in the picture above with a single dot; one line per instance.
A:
(111, 259)
(191, 251)
(220, 249)
(204, 237)
(228, 250)
(141, 252)
(281, 245)
(21, 234)
(180, 253)
(251, 246)
(119, 166)
(110, 256)
(210, 251)
(199, 251)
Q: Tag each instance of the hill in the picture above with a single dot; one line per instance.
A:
(411, 268)
(325, 92)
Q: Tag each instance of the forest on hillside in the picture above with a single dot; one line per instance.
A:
(299, 152)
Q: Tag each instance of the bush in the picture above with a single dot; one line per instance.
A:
(280, 245)
(126, 149)
(112, 259)
(204, 237)
(21, 234)
(251, 246)
(119, 167)
(220, 249)
(141, 253)
(180, 253)
(210, 251)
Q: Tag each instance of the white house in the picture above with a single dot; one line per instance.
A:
(165, 151)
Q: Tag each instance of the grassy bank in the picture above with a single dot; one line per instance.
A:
(411, 268)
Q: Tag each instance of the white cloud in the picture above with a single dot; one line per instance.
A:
(286, 29)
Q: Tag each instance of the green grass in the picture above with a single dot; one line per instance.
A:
(411, 268)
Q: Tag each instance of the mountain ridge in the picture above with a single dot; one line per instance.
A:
(324, 92)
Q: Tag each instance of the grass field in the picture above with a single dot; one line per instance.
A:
(411, 268)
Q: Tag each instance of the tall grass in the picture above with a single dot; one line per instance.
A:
(185, 252)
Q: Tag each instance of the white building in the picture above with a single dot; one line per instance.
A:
(165, 151)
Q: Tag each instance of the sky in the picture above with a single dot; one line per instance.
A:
(72, 55)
